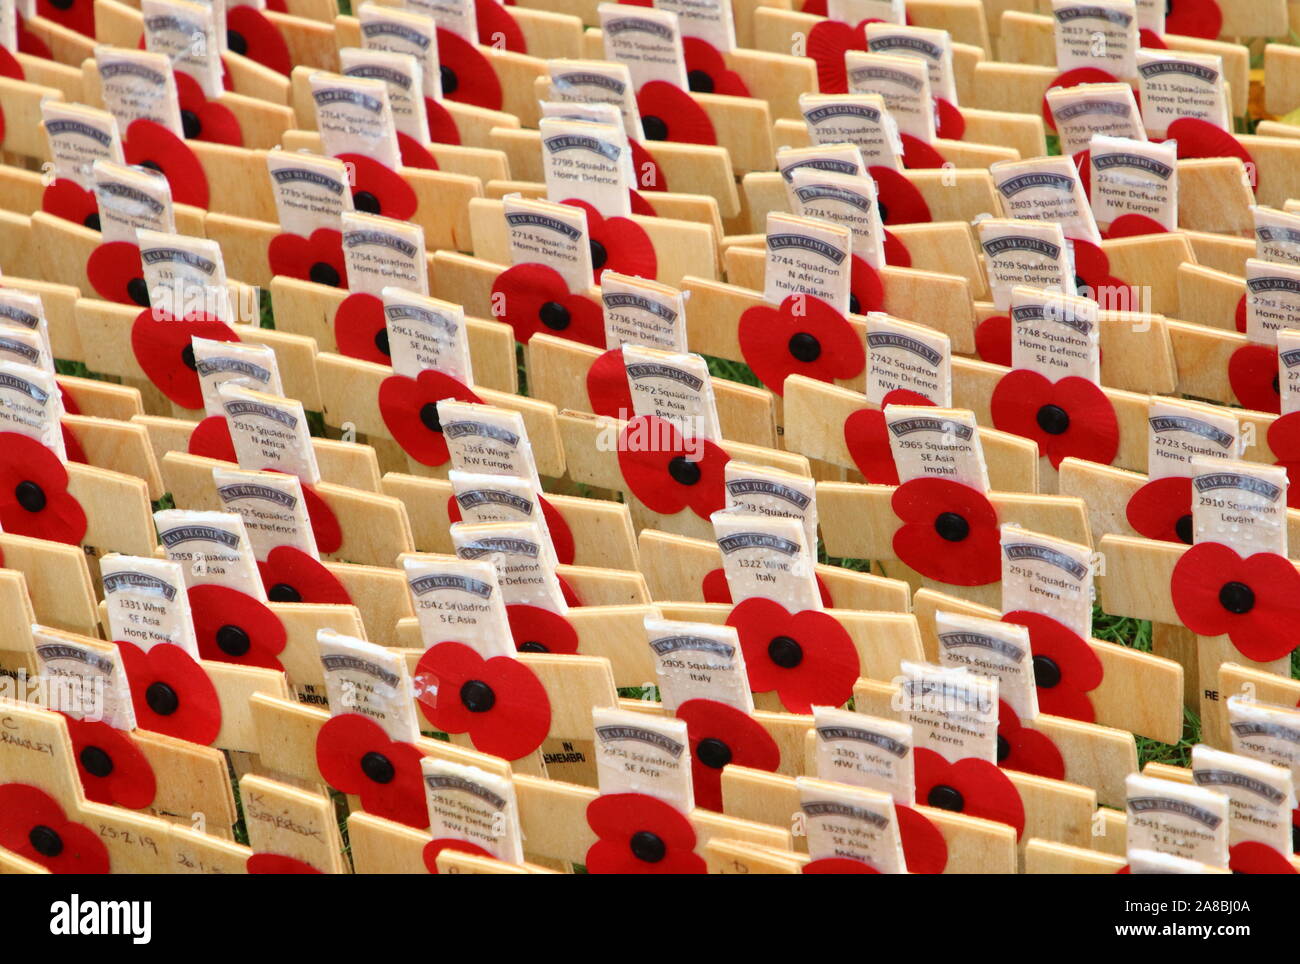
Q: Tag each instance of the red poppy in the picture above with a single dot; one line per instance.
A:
(535, 298)
(34, 826)
(561, 534)
(1026, 750)
(378, 189)
(211, 439)
(1065, 667)
(1284, 440)
(409, 407)
(292, 576)
(1193, 18)
(537, 630)
(78, 15)
(171, 692)
(1254, 600)
(203, 119)
(866, 289)
(707, 72)
(325, 526)
(359, 329)
(1240, 316)
(163, 347)
(608, 389)
(721, 734)
(355, 756)
(1073, 78)
(949, 532)
(619, 244)
(714, 588)
(665, 473)
(804, 336)
(1093, 278)
(1133, 226)
(828, 42)
(648, 175)
(116, 274)
(896, 253)
(67, 199)
(1068, 417)
(924, 847)
(1150, 39)
(970, 786)
(149, 144)
(838, 865)
(435, 847)
(29, 43)
(250, 34)
(497, 27)
(669, 113)
(950, 123)
(867, 438)
(1253, 857)
(1198, 138)
(918, 155)
(73, 452)
(415, 154)
(467, 75)
(1252, 373)
(1162, 509)
(442, 125)
(276, 863)
(499, 702)
(806, 657)
(899, 202)
(318, 258)
(993, 340)
(233, 627)
(34, 497)
(111, 767)
(640, 834)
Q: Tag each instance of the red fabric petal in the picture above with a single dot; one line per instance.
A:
(276, 863)
(828, 42)
(821, 667)
(1253, 857)
(561, 536)
(1210, 576)
(497, 28)
(345, 741)
(318, 258)
(899, 201)
(838, 865)
(618, 244)
(153, 145)
(1080, 669)
(1073, 78)
(973, 560)
(29, 43)
(1134, 226)
(706, 70)
(534, 297)
(1198, 138)
(537, 630)
(409, 410)
(128, 781)
(918, 155)
(866, 289)
(617, 818)
(467, 75)
(78, 15)
(324, 523)
(993, 340)
(72, 448)
(233, 627)
(211, 439)
(57, 516)
(1253, 375)
(770, 336)
(950, 124)
(499, 702)
(216, 123)
(649, 176)
(984, 789)
(414, 154)
(116, 274)
(442, 126)
(163, 348)
(261, 40)
(651, 450)
(1083, 163)
(67, 199)
(1091, 432)
(608, 390)
(1150, 39)
(714, 589)
(673, 113)
(291, 575)
(745, 741)
(435, 847)
(1240, 317)
(378, 189)
(1284, 440)
(896, 252)
(168, 677)
(1026, 750)
(867, 440)
(1160, 507)
(1193, 18)
(924, 847)
(24, 809)
(359, 328)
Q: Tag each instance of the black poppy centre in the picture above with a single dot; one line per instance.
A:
(96, 761)
(648, 846)
(161, 698)
(785, 652)
(282, 592)
(1053, 419)
(1047, 673)
(233, 640)
(30, 496)
(944, 797)
(1237, 598)
(654, 127)
(324, 274)
(804, 347)
(378, 767)
(477, 696)
(713, 752)
(554, 315)
(45, 841)
(684, 471)
(951, 526)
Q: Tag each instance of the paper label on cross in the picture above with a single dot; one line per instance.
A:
(934, 47)
(597, 81)
(381, 253)
(1272, 299)
(766, 557)
(458, 600)
(1055, 335)
(638, 311)
(84, 678)
(851, 822)
(269, 432)
(1024, 252)
(212, 548)
(1096, 33)
(404, 32)
(936, 442)
(426, 334)
(184, 276)
(647, 41)
(992, 648)
(709, 20)
(836, 158)
(1261, 796)
(24, 347)
(904, 82)
(1134, 177)
(363, 678)
(30, 405)
(865, 751)
(310, 192)
(1265, 732)
(953, 712)
(674, 387)
(1288, 363)
(587, 162)
(1239, 504)
(470, 804)
(192, 37)
(543, 232)
(848, 199)
(905, 357)
(1180, 430)
(253, 366)
(698, 661)
(147, 603)
(1050, 576)
(272, 507)
(497, 498)
(79, 136)
(401, 76)
(769, 491)
(863, 120)
(354, 116)
(1177, 819)
(130, 198)
(807, 257)
(1046, 189)
(457, 16)
(524, 560)
(138, 85)
(637, 753)
(23, 311)
(1277, 235)
(1089, 109)
(487, 440)
(1175, 84)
